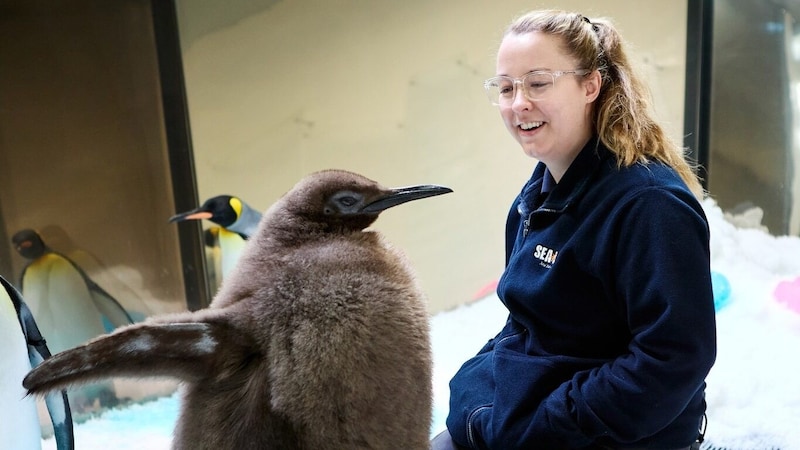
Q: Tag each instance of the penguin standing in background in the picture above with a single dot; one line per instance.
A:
(237, 222)
(318, 340)
(23, 348)
(69, 307)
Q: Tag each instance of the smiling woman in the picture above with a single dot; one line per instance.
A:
(600, 327)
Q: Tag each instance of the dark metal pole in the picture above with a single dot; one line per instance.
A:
(179, 145)
(697, 105)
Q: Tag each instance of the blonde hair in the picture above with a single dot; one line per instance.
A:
(622, 115)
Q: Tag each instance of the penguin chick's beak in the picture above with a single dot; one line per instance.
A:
(402, 195)
(195, 214)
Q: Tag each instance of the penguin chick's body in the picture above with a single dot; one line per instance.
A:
(318, 340)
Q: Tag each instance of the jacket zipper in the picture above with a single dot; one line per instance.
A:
(505, 338)
(526, 224)
(470, 432)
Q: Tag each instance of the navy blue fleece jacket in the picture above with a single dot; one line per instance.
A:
(611, 330)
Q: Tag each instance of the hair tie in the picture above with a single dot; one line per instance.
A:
(595, 27)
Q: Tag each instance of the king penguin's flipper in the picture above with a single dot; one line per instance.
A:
(110, 308)
(56, 401)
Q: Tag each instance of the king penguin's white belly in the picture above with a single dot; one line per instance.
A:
(231, 245)
(19, 423)
(61, 303)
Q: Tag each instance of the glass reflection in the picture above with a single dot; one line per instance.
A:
(754, 114)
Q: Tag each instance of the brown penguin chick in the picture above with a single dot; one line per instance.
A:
(318, 339)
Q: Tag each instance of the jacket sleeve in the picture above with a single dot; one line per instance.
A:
(660, 273)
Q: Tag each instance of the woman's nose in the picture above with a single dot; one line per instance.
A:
(520, 102)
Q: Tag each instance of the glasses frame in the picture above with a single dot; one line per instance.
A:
(554, 74)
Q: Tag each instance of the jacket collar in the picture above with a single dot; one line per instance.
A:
(573, 184)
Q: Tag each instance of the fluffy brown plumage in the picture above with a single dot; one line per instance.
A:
(318, 340)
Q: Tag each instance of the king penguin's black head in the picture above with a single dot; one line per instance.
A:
(28, 244)
(223, 210)
(342, 200)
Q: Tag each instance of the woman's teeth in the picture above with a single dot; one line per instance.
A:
(530, 125)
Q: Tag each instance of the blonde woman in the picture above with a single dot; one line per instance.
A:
(611, 330)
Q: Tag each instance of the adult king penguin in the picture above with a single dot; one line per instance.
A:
(319, 339)
(69, 307)
(226, 211)
(237, 222)
(23, 348)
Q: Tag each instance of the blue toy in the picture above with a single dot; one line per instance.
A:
(722, 290)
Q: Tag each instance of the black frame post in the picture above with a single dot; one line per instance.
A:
(697, 104)
(179, 145)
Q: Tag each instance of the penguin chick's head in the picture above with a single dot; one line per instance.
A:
(339, 200)
(223, 210)
(28, 243)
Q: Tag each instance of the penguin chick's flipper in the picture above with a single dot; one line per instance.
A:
(187, 351)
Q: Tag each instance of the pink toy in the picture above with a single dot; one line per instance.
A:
(788, 292)
(486, 290)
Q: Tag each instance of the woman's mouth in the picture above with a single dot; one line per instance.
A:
(528, 126)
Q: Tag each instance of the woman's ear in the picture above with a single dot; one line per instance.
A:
(592, 83)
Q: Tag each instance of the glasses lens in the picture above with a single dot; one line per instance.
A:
(499, 89)
(537, 85)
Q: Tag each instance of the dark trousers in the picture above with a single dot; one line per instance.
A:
(443, 441)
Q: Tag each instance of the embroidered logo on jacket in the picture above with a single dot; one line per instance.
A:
(546, 256)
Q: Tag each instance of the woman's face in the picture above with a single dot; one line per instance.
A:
(555, 128)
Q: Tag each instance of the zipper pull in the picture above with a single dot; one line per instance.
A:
(526, 225)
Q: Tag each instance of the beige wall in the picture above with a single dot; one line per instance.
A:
(391, 90)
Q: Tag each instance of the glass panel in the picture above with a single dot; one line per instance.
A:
(84, 164)
(753, 145)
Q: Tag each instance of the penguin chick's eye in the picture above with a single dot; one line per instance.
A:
(344, 202)
(341, 203)
(348, 201)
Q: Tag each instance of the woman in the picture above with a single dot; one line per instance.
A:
(611, 331)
